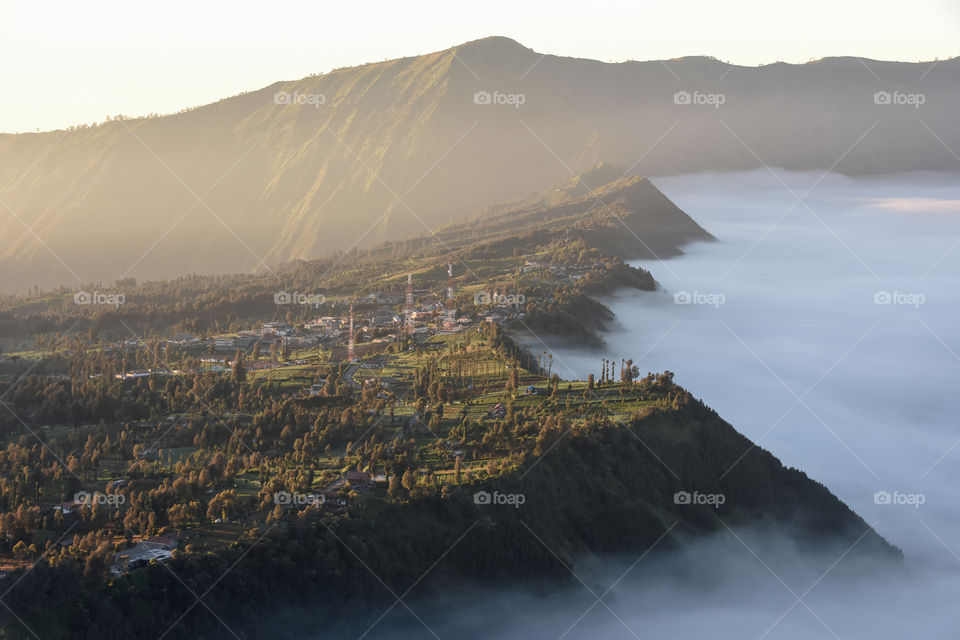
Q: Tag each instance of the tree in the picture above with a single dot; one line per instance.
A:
(20, 550)
(330, 386)
(395, 490)
(239, 370)
(222, 505)
(513, 381)
(409, 481)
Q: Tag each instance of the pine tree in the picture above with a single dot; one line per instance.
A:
(409, 481)
(394, 489)
(239, 370)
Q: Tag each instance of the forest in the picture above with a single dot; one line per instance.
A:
(202, 452)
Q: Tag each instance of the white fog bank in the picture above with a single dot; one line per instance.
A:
(849, 300)
(799, 357)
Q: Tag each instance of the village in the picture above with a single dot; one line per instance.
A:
(352, 326)
(374, 342)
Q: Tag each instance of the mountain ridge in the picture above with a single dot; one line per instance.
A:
(392, 149)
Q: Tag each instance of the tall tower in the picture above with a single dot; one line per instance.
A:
(451, 321)
(350, 350)
(408, 312)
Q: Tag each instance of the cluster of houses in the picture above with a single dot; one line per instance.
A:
(143, 373)
(502, 314)
(560, 271)
(429, 317)
(267, 335)
(380, 320)
(497, 412)
(356, 480)
(156, 549)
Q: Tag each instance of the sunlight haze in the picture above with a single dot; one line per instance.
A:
(68, 63)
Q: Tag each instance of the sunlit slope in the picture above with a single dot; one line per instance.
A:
(397, 149)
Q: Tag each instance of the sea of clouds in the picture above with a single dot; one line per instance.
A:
(823, 324)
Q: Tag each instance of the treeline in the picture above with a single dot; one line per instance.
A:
(600, 488)
(207, 305)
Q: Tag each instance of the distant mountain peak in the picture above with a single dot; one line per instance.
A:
(445, 134)
(493, 42)
(493, 54)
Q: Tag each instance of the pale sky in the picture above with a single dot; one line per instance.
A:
(68, 62)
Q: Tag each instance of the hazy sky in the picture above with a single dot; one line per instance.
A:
(64, 63)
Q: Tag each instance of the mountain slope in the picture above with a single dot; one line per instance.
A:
(623, 215)
(589, 489)
(399, 148)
